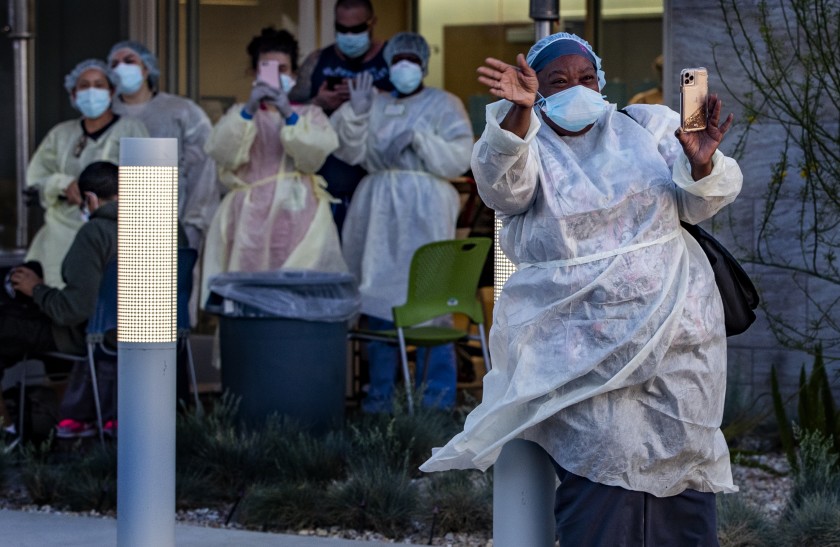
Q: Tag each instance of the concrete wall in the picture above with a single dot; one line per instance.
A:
(695, 35)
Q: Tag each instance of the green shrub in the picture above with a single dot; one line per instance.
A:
(297, 455)
(374, 497)
(401, 440)
(814, 522)
(212, 447)
(293, 504)
(817, 411)
(741, 524)
(91, 480)
(5, 462)
(41, 475)
(459, 501)
(817, 473)
(79, 480)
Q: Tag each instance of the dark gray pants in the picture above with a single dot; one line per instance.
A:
(78, 402)
(595, 515)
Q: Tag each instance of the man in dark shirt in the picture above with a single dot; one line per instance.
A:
(58, 319)
(322, 81)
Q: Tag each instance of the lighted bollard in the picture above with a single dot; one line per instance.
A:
(147, 336)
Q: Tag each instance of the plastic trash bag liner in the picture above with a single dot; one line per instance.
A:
(292, 294)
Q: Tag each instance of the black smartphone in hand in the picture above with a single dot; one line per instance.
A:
(333, 81)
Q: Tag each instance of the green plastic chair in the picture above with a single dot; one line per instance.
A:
(442, 280)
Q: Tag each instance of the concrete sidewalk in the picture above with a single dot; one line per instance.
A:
(24, 529)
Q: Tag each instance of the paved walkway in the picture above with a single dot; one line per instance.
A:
(23, 529)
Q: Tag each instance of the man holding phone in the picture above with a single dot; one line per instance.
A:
(323, 78)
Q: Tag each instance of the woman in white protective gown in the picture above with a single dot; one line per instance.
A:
(608, 342)
(276, 213)
(410, 141)
(67, 149)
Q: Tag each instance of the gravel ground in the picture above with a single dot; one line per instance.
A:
(767, 490)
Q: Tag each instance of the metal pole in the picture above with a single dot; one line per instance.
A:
(593, 24)
(192, 49)
(172, 43)
(20, 34)
(146, 445)
(523, 496)
(146, 342)
(544, 12)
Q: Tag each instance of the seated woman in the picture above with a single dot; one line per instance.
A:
(277, 212)
(410, 141)
(67, 149)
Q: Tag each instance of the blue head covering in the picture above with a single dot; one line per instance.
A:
(563, 43)
(73, 76)
(148, 58)
(408, 43)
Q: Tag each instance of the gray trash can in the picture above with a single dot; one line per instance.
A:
(283, 342)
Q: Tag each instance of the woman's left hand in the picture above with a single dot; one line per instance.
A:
(700, 146)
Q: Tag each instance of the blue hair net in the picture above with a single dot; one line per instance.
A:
(148, 58)
(537, 48)
(73, 77)
(407, 43)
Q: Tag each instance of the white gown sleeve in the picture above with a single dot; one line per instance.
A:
(445, 152)
(696, 200)
(44, 172)
(352, 131)
(505, 167)
(310, 140)
(199, 170)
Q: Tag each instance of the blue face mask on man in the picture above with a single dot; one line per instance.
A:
(573, 108)
(92, 102)
(352, 44)
(406, 76)
(131, 77)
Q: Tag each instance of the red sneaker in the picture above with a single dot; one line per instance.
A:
(74, 429)
(110, 428)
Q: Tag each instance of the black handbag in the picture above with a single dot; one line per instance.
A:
(736, 288)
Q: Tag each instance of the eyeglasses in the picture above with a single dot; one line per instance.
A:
(355, 29)
(80, 145)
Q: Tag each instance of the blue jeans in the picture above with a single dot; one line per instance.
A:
(384, 360)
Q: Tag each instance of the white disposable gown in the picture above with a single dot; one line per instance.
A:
(51, 170)
(608, 342)
(406, 200)
(277, 212)
(167, 115)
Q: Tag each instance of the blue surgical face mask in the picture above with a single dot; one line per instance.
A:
(406, 76)
(92, 102)
(287, 82)
(573, 108)
(352, 45)
(131, 77)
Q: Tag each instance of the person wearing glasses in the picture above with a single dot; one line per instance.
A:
(66, 150)
(323, 81)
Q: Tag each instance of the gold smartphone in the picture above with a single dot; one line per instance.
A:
(694, 88)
